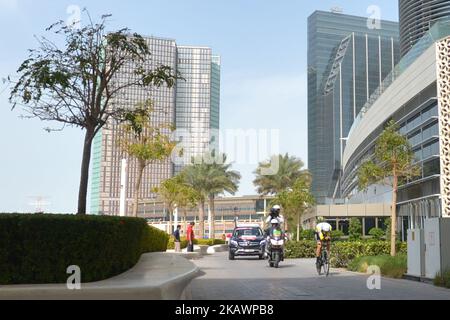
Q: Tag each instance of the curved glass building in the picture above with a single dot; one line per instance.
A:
(416, 96)
(417, 17)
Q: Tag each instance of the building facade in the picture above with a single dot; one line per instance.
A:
(197, 102)
(371, 215)
(415, 96)
(347, 61)
(417, 17)
(229, 212)
(192, 106)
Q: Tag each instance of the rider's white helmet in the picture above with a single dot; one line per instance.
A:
(326, 227)
(276, 207)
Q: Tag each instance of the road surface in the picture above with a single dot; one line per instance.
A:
(252, 279)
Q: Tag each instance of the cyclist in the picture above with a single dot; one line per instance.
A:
(323, 236)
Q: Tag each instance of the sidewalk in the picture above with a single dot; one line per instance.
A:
(157, 276)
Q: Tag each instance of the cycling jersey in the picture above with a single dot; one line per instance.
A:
(321, 234)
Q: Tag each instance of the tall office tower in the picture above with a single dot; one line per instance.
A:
(347, 61)
(198, 101)
(192, 106)
(417, 17)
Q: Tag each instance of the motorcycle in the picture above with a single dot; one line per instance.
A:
(275, 249)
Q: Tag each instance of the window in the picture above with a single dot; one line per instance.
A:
(248, 232)
(431, 168)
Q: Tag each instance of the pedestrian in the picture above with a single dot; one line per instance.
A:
(190, 237)
(177, 237)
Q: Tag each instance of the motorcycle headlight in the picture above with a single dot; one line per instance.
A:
(263, 242)
(234, 243)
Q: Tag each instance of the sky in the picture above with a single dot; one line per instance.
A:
(263, 46)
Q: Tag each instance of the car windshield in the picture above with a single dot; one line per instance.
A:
(248, 232)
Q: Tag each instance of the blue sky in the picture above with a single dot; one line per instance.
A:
(263, 49)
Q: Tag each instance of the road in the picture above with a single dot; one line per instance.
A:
(252, 279)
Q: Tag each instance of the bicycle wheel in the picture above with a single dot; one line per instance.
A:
(326, 264)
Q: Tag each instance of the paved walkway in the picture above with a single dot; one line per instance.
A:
(252, 279)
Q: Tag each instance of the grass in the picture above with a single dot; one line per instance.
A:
(392, 267)
(443, 280)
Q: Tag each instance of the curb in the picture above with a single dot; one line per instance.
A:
(157, 276)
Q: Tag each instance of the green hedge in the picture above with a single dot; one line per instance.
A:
(393, 267)
(309, 235)
(342, 252)
(208, 242)
(171, 245)
(38, 249)
(203, 242)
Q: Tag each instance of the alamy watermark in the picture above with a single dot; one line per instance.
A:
(241, 146)
(74, 280)
(74, 17)
(374, 280)
(374, 20)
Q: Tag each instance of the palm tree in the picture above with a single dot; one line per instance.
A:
(175, 193)
(222, 180)
(290, 169)
(209, 179)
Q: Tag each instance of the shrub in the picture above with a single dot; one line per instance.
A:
(301, 250)
(38, 249)
(377, 233)
(337, 235)
(171, 245)
(307, 235)
(393, 267)
(442, 279)
(342, 252)
(208, 242)
(355, 229)
(199, 242)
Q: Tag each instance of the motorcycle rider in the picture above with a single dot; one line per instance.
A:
(275, 229)
(275, 213)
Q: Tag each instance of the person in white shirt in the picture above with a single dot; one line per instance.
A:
(275, 213)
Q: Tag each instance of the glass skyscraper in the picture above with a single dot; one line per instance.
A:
(348, 60)
(417, 17)
(192, 106)
(198, 101)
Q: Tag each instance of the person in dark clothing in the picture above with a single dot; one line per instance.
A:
(177, 237)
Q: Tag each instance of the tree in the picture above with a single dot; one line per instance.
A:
(221, 180)
(175, 193)
(289, 170)
(75, 85)
(294, 201)
(145, 142)
(355, 229)
(393, 164)
(188, 199)
(210, 178)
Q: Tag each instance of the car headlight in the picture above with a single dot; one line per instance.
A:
(234, 243)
